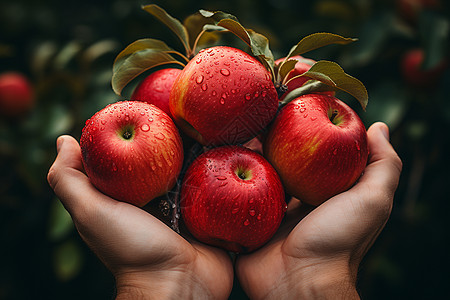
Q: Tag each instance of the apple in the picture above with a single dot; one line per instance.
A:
(16, 94)
(411, 9)
(303, 64)
(223, 96)
(232, 198)
(415, 75)
(132, 151)
(318, 145)
(155, 88)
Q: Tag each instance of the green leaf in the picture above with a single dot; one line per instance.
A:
(258, 43)
(312, 86)
(137, 63)
(140, 45)
(333, 75)
(286, 67)
(318, 40)
(194, 25)
(176, 26)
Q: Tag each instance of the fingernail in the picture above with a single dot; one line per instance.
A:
(59, 142)
(385, 131)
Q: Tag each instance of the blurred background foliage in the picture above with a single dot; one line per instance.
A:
(66, 50)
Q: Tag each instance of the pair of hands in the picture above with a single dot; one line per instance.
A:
(314, 254)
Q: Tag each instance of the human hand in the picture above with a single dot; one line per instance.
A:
(316, 251)
(147, 258)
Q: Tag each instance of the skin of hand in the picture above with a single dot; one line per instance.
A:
(317, 251)
(147, 258)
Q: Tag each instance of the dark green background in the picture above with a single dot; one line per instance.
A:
(67, 49)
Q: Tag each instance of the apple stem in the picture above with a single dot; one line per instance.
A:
(127, 135)
(333, 115)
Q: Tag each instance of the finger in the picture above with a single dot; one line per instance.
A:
(68, 181)
(384, 167)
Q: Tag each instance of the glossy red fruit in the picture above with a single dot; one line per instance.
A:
(318, 145)
(232, 198)
(155, 88)
(223, 96)
(131, 151)
(16, 94)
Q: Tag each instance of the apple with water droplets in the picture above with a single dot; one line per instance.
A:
(132, 151)
(155, 88)
(223, 96)
(232, 198)
(318, 145)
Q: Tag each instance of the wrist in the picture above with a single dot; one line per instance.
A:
(332, 280)
(157, 285)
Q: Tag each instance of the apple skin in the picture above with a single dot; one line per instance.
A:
(155, 88)
(222, 209)
(16, 94)
(303, 65)
(414, 75)
(135, 168)
(223, 96)
(315, 157)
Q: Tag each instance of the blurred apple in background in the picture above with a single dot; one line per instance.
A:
(16, 94)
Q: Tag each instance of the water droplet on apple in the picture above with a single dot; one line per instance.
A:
(224, 183)
(199, 60)
(246, 222)
(204, 86)
(90, 138)
(302, 110)
(252, 212)
(313, 118)
(103, 122)
(222, 100)
(199, 79)
(225, 72)
(251, 201)
(145, 127)
(357, 146)
(335, 151)
(248, 97)
(221, 177)
(160, 136)
(259, 217)
(114, 167)
(235, 210)
(130, 168)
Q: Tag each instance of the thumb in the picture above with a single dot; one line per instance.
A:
(68, 181)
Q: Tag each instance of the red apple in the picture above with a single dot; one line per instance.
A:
(232, 198)
(16, 94)
(132, 151)
(155, 88)
(411, 9)
(303, 65)
(415, 75)
(223, 96)
(318, 145)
